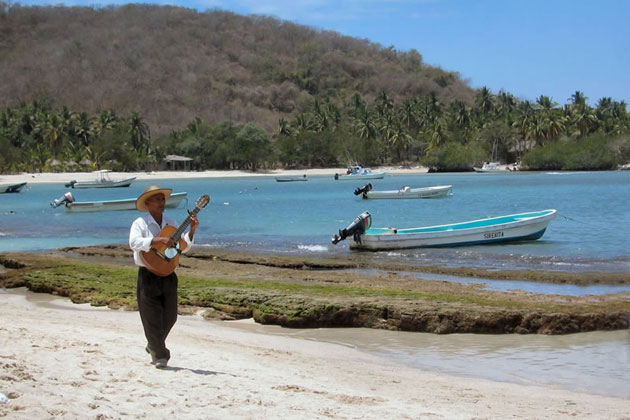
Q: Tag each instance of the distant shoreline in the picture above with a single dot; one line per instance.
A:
(64, 177)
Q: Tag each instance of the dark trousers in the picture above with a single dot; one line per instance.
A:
(157, 303)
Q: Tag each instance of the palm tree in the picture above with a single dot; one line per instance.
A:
(546, 103)
(584, 119)
(140, 135)
(357, 104)
(578, 98)
(437, 135)
(522, 122)
(484, 101)
(555, 123)
(408, 112)
(52, 133)
(83, 128)
(506, 104)
(386, 103)
(365, 125)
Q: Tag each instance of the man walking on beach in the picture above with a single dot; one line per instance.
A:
(157, 295)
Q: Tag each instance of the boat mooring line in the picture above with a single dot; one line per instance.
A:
(576, 221)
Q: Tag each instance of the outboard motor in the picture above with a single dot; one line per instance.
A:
(366, 188)
(356, 228)
(66, 198)
(71, 183)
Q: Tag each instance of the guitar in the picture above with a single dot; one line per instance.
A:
(162, 260)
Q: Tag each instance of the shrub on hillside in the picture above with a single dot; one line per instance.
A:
(589, 154)
(453, 157)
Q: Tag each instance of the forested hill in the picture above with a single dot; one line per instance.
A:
(173, 64)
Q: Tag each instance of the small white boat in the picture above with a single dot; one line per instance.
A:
(102, 181)
(291, 178)
(491, 167)
(510, 228)
(126, 204)
(359, 172)
(13, 188)
(436, 191)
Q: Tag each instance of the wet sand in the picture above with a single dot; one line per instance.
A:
(75, 361)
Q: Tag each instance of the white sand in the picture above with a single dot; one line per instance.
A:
(59, 360)
(65, 177)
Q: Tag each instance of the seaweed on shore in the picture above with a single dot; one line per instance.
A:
(295, 293)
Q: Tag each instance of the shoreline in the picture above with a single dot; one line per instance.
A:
(64, 177)
(55, 349)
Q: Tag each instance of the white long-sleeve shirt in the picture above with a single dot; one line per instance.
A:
(144, 229)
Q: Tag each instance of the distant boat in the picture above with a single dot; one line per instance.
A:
(14, 188)
(510, 228)
(359, 172)
(102, 181)
(291, 178)
(437, 191)
(112, 205)
(492, 167)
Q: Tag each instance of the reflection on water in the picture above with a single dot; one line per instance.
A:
(510, 285)
(594, 362)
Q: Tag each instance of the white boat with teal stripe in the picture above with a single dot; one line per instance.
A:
(511, 228)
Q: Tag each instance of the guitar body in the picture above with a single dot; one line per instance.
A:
(154, 259)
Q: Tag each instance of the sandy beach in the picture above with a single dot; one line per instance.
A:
(64, 177)
(61, 360)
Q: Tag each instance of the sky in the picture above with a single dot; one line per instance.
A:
(526, 47)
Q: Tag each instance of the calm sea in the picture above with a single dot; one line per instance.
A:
(590, 233)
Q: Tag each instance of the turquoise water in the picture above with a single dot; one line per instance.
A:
(591, 231)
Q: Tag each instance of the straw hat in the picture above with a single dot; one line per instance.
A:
(150, 192)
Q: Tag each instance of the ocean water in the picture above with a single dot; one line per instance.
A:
(590, 233)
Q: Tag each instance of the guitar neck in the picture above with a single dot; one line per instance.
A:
(180, 230)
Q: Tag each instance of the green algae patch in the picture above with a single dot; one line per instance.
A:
(293, 296)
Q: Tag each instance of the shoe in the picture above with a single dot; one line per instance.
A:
(161, 363)
(153, 358)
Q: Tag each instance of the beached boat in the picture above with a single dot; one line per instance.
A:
(510, 228)
(13, 188)
(125, 204)
(102, 181)
(436, 191)
(359, 172)
(291, 178)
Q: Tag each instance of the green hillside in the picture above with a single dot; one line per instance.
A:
(121, 87)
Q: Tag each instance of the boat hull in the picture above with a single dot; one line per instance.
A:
(373, 175)
(511, 228)
(428, 192)
(291, 178)
(110, 184)
(118, 205)
(15, 188)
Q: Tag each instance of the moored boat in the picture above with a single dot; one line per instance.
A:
(102, 181)
(291, 178)
(509, 228)
(13, 188)
(491, 167)
(359, 172)
(436, 191)
(113, 205)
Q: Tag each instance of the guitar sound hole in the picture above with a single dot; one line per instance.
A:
(170, 252)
